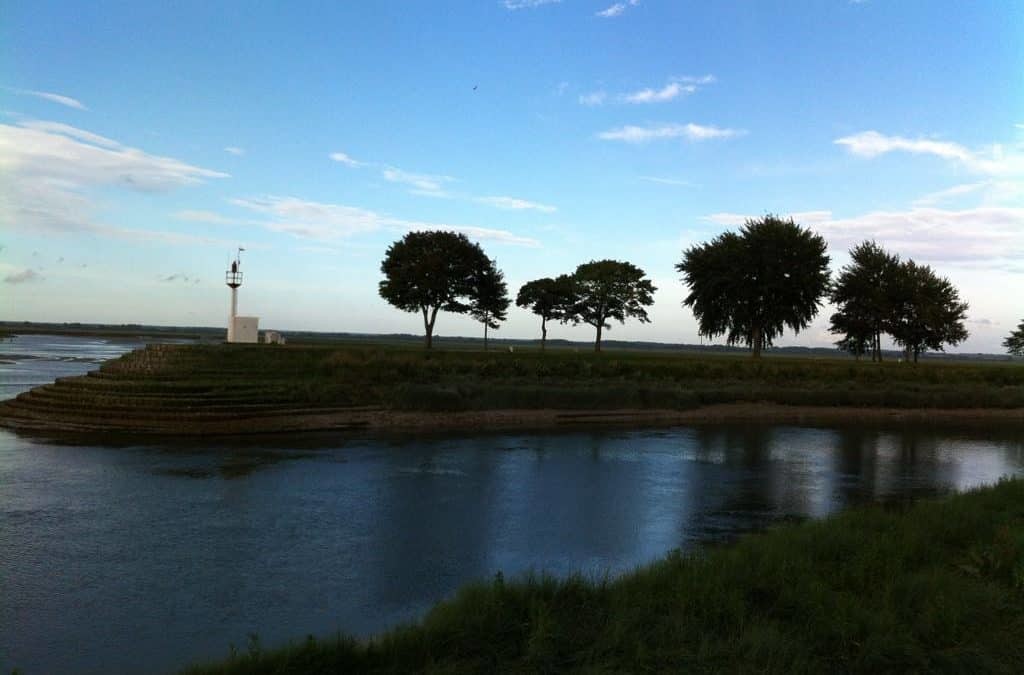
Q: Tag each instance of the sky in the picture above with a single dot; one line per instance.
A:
(142, 143)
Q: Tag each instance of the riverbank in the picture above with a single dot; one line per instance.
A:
(937, 587)
(231, 389)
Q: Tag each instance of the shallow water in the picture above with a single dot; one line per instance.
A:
(135, 557)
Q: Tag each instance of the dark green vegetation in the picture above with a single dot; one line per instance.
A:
(550, 299)
(181, 388)
(752, 285)
(1014, 342)
(431, 271)
(936, 587)
(609, 289)
(878, 294)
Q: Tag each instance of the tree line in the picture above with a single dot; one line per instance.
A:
(748, 286)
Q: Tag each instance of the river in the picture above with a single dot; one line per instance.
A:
(144, 556)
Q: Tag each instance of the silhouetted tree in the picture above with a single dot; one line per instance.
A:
(1014, 342)
(861, 294)
(609, 289)
(489, 300)
(926, 310)
(751, 285)
(550, 299)
(430, 271)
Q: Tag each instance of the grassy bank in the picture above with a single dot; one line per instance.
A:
(216, 388)
(938, 587)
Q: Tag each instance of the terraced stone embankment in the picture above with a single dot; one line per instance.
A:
(178, 389)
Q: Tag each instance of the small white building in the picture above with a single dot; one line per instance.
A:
(272, 337)
(245, 329)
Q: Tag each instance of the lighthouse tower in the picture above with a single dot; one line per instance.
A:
(240, 328)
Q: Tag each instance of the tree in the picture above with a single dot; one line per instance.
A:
(609, 289)
(489, 300)
(862, 296)
(751, 285)
(431, 271)
(550, 299)
(926, 310)
(1014, 342)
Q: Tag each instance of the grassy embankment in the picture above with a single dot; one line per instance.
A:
(216, 388)
(412, 379)
(938, 587)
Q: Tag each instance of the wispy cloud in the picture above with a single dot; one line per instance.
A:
(692, 132)
(674, 88)
(527, 4)
(993, 161)
(234, 150)
(513, 204)
(331, 222)
(616, 9)
(989, 235)
(346, 160)
(666, 93)
(50, 96)
(425, 184)
(23, 277)
(48, 170)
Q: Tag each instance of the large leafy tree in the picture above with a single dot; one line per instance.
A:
(862, 297)
(927, 312)
(751, 285)
(550, 299)
(1014, 342)
(489, 299)
(431, 271)
(609, 289)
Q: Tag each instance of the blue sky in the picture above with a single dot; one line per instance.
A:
(140, 143)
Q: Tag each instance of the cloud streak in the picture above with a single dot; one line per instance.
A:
(343, 158)
(333, 222)
(989, 235)
(995, 161)
(616, 9)
(60, 99)
(690, 132)
(527, 4)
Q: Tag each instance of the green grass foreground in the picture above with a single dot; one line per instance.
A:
(401, 378)
(936, 587)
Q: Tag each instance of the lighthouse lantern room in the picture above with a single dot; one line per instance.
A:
(240, 328)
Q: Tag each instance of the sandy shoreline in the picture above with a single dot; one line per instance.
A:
(379, 420)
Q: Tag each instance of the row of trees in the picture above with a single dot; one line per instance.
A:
(428, 272)
(749, 286)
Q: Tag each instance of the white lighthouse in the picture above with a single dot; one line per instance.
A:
(240, 328)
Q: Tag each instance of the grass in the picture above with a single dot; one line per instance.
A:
(935, 587)
(412, 379)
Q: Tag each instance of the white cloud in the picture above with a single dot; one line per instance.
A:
(234, 150)
(950, 193)
(346, 160)
(616, 9)
(990, 235)
(666, 93)
(49, 96)
(593, 98)
(423, 183)
(331, 222)
(23, 277)
(60, 152)
(697, 79)
(513, 204)
(527, 4)
(692, 132)
(47, 170)
(994, 161)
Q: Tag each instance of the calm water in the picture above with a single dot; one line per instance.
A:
(125, 557)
